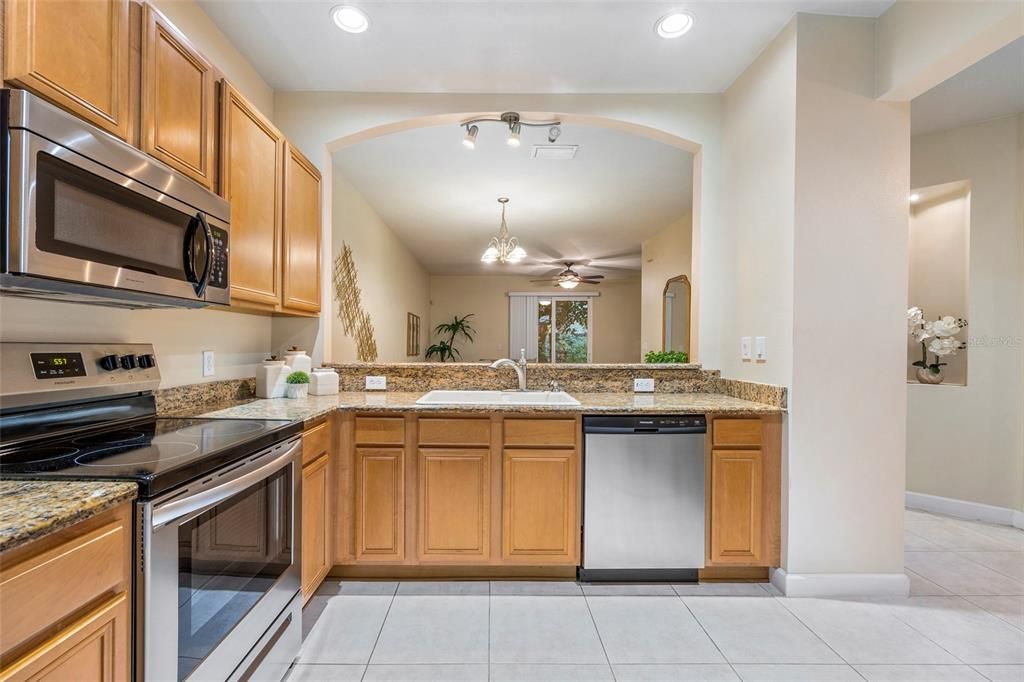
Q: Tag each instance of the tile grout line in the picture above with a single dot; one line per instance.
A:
(896, 615)
(963, 553)
(708, 635)
(376, 639)
(821, 639)
(992, 613)
(611, 669)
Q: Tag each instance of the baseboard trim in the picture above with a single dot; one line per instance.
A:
(841, 584)
(964, 509)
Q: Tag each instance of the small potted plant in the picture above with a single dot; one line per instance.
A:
(298, 385)
(938, 337)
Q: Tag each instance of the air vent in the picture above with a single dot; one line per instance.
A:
(555, 152)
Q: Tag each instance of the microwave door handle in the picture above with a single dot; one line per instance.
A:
(188, 253)
(204, 279)
(204, 499)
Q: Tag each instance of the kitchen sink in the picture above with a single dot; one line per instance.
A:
(497, 398)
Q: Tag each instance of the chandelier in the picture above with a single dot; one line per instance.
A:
(503, 248)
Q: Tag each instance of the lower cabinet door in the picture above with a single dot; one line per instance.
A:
(454, 505)
(540, 507)
(737, 482)
(315, 515)
(380, 505)
(95, 648)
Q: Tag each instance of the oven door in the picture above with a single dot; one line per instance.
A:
(219, 564)
(78, 221)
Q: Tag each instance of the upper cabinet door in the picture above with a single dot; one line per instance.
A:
(178, 100)
(301, 265)
(74, 53)
(251, 168)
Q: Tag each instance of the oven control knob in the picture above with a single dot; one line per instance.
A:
(128, 361)
(109, 362)
(146, 361)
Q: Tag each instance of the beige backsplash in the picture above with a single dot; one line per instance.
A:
(422, 377)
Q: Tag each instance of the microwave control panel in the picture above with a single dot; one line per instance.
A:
(219, 267)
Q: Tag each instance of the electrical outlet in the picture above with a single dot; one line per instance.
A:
(643, 385)
(376, 383)
(745, 348)
(761, 348)
(208, 363)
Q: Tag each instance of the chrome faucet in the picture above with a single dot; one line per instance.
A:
(519, 367)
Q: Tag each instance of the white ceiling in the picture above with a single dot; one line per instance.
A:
(492, 46)
(441, 199)
(991, 88)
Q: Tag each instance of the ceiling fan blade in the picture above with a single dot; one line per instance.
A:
(543, 280)
(592, 276)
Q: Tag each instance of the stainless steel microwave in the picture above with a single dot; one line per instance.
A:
(88, 218)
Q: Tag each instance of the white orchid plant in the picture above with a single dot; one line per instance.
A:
(937, 336)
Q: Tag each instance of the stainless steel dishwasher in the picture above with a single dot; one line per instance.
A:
(643, 498)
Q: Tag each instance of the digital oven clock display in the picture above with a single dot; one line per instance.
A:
(57, 365)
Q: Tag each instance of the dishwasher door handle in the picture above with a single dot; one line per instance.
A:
(641, 431)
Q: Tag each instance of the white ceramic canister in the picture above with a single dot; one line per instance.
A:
(270, 378)
(323, 381)
(298, 360)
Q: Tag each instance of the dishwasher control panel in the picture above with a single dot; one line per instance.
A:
(691, 423)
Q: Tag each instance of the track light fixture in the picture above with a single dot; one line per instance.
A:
(515, 124)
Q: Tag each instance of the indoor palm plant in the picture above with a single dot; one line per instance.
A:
(445, 348)
(937, 337)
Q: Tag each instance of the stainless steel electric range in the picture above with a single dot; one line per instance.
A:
(216, 586)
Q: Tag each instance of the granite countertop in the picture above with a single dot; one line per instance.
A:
(32, 509)
(620, 403)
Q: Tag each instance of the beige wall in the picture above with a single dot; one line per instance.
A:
(208, 39)
(967, 443)
(939, 251)
(755, 285)
(663, 256)
(392, 281)
(616, 314)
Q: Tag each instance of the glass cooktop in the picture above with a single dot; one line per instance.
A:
(158, 454)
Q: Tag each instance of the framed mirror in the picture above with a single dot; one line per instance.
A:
(675, 330)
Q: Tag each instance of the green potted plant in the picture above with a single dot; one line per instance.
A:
(298, 385)
(667, 356)
(445, 348)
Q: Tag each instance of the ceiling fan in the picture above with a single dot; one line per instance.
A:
(569, 278)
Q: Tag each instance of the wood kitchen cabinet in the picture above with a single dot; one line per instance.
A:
(251, 179)
(300, 266)
(743, 484)
(317, 523)
(539, 508)
(179, 100)
(380, 504)
(66, 603)
(454, 504)
(74, 53)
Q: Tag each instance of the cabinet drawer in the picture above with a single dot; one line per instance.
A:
(434, 431)
(737, 432)
(541, 432)
(316, 441)
(45, 589)
(380, 430)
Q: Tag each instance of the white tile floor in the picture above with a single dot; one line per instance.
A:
(964, 621)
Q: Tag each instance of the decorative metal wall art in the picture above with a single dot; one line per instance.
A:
(355, 321)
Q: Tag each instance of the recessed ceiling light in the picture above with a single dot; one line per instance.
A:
(674, 25)
(350, 19)
(915, 197)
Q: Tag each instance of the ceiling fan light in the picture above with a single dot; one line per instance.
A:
(469, 142)
(568, 283)
(518, 254)
(490, 255)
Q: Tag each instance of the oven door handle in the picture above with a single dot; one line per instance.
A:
(176, 509)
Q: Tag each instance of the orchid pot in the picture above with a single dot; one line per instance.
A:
(937, 337)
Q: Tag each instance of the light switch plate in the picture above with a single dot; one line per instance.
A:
(643, 385)
(745, 348)
(208, 363)
(761, 348)
(376, 383)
